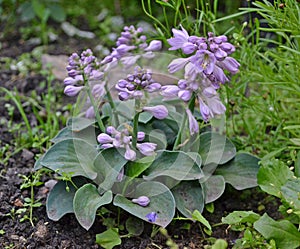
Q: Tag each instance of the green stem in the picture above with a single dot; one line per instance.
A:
(89, 92)
(135, 123)
(31, 204)
(112, 105)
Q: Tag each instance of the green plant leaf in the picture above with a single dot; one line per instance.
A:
(109, 239)
(215, 148)
(109, 162)
(189, 197)
(161, 201)
(283, 232)
(220, 244)
(78, 124)
(60, 201)
(145, 117)
(57, 13)
(175, 164)
(199, 217)
(272, 175)
(214, 188)
(241, 172)
(291, 192)
(71, 156)
(240, 217)
(86, 202)
(297, 165)
(168, 127)
(39, 9)
(134, 226)
(27, 12)
(134, 169)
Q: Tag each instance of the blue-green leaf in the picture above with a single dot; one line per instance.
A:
(161, 202)
(189, 197)
(78, 123)
(109, 239)
(214, 187)
(291, 192)
(86, 202)
(240, 217)
(71, 156)
(241, 172)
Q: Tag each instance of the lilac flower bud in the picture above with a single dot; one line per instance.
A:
(70, 81)
(126, 140)
(146, 149)
(202, 46)
(193, 124)
(122, 40)
(220, 54)
(90, 113)
(230, 64)
(188, 48)
(131, 86)
(103, 138)
(227, 47)
(73, 73)
(213, 47)
(96, 75)
(209, 92)
(177, 64)
(182, 84)
(158, 111)
(123, 96)
(122, 83)
(140, 136)
(185, 95)
(72, 90)
(151, 217)
(123, 49)
(204, 110)
(130, 154)
(142, 201)
(130, 77)
(138, 94)
(111, 130)
(106, 146)
(154, 45)
(153, 87)
(98, 90)
(218, 73)
(169, 92)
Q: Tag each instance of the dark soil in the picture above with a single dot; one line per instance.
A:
(67, 233)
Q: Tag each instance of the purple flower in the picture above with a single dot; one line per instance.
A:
(193, 124)
(154, 45)
(204, 110)
(151, 217)
(204, 61)
(158, 111)
(169, 92)
(188, 48)
(72, 90)
(230, 64)
(147, 149)
(130, 154)
(185, 95)
(103, 138)
(180, 37)
(90, 113)
(177, 64)
(142, 201)
(140, 136)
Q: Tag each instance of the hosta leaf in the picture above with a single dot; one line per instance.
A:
(283, 232)
(161, 201)
(189, 197)
(134, 226)
(215, 148)
(241, 172)
(78, 124)
(108, 163)
(214, 188)
(240, 217)
(86, 202)
(291, 192)
(57, 12)
(136, 168)
(177, 165)
(60, 200)
(272, 175)
(71, 156)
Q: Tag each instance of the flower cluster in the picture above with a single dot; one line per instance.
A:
(204, 70)
(135, 84)
(81, 68)
(131, 40)
(122, 139)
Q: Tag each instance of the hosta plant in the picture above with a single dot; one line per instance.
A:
(146, 135)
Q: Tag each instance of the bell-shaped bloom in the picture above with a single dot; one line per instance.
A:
(193, 124)
(72, 90)
(185, 95)
(180, 37)
(90, 113)
(230, 64)
(177, 64)
(142, 201)
(146, 149)
(130, 154)
(158, 111)
(151, 217)
(204, 110)
(154, 45)
(96, 75)
(204, 61)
